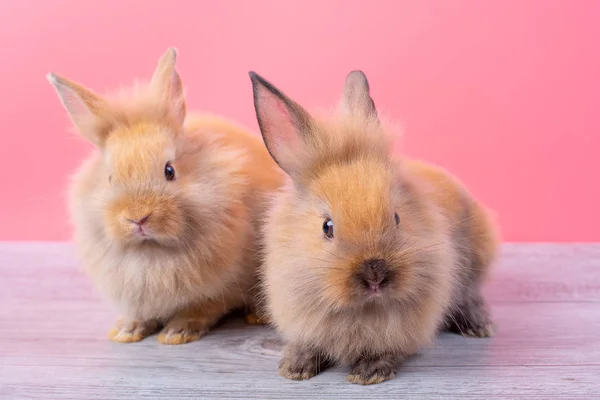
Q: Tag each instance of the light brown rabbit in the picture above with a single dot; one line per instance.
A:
(367, 258)
(166, 210)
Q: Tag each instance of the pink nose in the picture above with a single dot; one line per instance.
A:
(140, 221)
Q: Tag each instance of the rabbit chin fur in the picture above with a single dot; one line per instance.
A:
(341, 169)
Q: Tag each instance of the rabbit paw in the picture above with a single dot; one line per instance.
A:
(180, 331)
(132, 331)
(471, 318)
(481, 331)
(369, 371)
(299, 364)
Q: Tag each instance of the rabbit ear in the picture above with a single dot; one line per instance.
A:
(168, 84)
(83, 106)
(356, 98)
(284, 124)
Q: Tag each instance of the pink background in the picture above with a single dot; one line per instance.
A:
(505, 94)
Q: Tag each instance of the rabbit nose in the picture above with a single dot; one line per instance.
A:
(139, 221)
(374, 274)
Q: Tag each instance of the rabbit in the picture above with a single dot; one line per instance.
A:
(166, 211)
(367, 255)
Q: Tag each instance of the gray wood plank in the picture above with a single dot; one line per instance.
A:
(53, 345)
(414, 382)
(546, 272)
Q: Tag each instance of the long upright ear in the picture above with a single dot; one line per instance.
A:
(284, 124)
(167, 83)
(356, 98)
(83, 106)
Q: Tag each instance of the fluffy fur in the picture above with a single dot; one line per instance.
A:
(193, 257)
(409, 247)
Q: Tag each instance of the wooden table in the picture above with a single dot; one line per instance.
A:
(53, 344)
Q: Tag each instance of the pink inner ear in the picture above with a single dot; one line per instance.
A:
(74, 104)
(175, 87)
(278, 124)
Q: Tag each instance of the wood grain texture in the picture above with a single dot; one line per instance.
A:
(53, 345)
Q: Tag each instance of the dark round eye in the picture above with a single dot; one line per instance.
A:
(328, 228)
(169, 172)
(397, 218)
(109, 178)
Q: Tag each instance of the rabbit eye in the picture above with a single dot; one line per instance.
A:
(109, 178)
(397, 218)
(169, 172)
(328, 228)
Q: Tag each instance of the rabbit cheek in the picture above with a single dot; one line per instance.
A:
(339, 286)
(166, 222)
(117, 225)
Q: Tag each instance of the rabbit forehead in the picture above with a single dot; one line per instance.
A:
(361, 193)
(134, 150)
